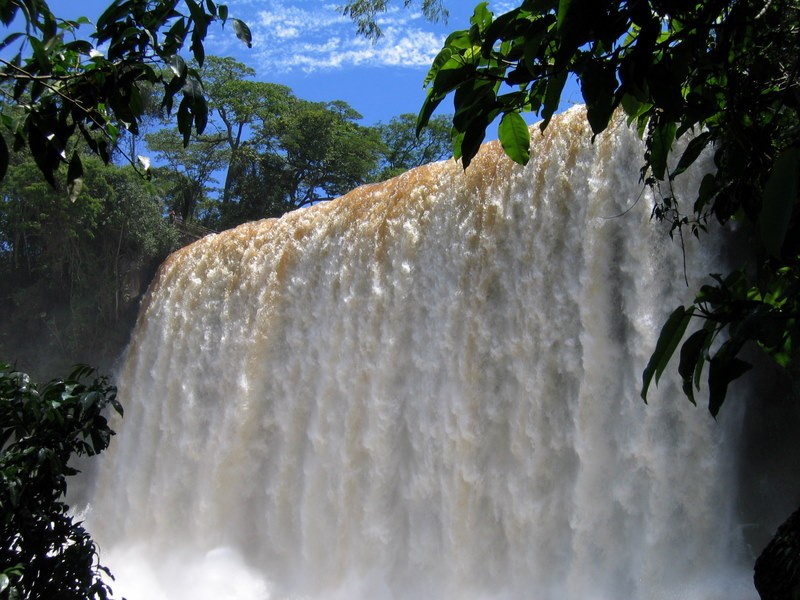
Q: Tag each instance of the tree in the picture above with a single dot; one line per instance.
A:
(44, 551)
(259, 190)
(189, 170)
(365, 13)
(276, 152)
(64, 86)
(326, 152)
(241, 105)
(403, 149)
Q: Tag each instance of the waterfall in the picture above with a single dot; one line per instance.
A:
(427, 389)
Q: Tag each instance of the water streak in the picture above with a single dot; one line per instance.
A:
(427, 389)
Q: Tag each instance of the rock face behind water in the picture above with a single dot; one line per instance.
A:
(777, 570)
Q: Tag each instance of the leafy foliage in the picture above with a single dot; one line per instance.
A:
(59, 86)
(241, 105)
(278, 152)
(723, 73)
(365, 13)
(404, 149)
(326, 152)
(44, 551)
(73, 270)
(189, 171)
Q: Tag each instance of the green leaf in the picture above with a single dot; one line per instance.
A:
(471, 143)
(515, 137)
(458, 40)
(499, 28)
(89, 401)
(10, 40)
(198, 50)
(660, 144)
(481, 16)
(691, 359)
(458, 139)
(598, 84)
(4, 157)
(780, 196)
(454, 72)
(668, 340)
(444, 55)
(200, 110)
(75, 177)
(723, 370)
(185, 120)
(432, 100)
(193, 88)
(196, 11)
(178, 65)
(113, 13)
(693, 150)
(242, 32)
(42, 153)
(708, 189)
(473, 100)
(117, 406)
(632, 106)
(175, 36)
(563, 9)
(552, 96)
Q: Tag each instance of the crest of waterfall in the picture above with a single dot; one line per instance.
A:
(426, 389)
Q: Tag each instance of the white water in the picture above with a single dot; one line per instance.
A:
(427, 389)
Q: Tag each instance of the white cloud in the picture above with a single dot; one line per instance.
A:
(504, 6)
(311, 36)
(286, 33)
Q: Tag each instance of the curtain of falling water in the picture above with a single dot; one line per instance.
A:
(427, 389)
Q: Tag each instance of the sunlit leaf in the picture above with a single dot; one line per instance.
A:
(242, 32)
(178, 65)
(515, 137)
(441, 58)
(451, 74)
(481, 16)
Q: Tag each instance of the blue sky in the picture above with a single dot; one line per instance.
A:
(309, 46)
